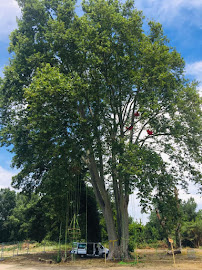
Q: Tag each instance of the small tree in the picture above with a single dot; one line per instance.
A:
(192, 225)
(189, 209)
(137, 235)
(169, 214)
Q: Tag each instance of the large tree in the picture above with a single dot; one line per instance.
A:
(96, 92)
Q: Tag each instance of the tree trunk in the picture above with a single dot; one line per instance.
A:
(110, 224)
(111, 231)
(118, 243)
(178, 237)
(120, 189)
(124, 228)
(177, 231)
(103, 199)
(162, 223)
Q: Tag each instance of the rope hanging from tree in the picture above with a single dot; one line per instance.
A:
(74, 229)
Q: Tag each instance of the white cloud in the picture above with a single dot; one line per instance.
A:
(1, 71)
(9, 10)
(172, 11)
(195, 69)
(192, 193)
(197, 198)
(5, 177)
(134, 208)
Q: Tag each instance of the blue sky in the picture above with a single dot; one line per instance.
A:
(182, 24)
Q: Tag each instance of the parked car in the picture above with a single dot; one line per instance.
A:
(89, 249)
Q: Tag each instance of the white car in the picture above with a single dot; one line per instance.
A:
(89, 249)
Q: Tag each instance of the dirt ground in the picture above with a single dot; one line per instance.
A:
(146, 259)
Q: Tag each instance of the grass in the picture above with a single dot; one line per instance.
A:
(9, 250)
(129, 263)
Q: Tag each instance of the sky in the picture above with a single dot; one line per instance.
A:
(182, 24)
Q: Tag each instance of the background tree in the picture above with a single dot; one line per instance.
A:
(172, 215)
(98, 90)
(7, 203)
(37, 217)
(153, 230)
(27, 220)
(136, 234)
(169, 214)
(189, 209)
(192, 225)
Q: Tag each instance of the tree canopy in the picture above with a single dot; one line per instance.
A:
(97, 94)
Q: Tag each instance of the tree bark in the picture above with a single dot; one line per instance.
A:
(162, 223)
(124, 228)
(118, 243)
(178, 236)
(121, 202)
(103, 199)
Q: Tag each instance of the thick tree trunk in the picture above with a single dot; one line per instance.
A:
(118, 243)
(111, 231)
(124, 229)
(110, 224)
(103, 199)
(118, 235)
(121, 203)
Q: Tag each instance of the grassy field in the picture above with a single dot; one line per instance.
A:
(149, 259)
(22, 248)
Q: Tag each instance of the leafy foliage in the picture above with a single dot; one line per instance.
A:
(70, 97)
(38, 217)
(7, 203)
(182, 216)
(192, 226)
(137, 235)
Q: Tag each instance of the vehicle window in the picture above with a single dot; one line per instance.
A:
(82, 246)
(101, 246)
